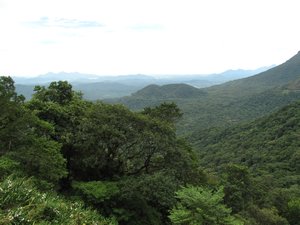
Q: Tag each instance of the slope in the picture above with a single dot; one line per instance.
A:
(277, 76)
(268, 145)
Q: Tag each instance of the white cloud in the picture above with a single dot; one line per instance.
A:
(142, 36)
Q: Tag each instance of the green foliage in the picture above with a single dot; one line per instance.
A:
(7, 165)
(11, 114)
(22, 203)
(269, 148)
(168, 112)
(266, 216)
(63, 108)
(7, 90)
(25, 138)
(148, 192)
(266, 146)
(42, 158)
(113, 141)
(293, 211)
(238, 187)
(59, 92)
(197, 205)
(96, 192)
(115, 157)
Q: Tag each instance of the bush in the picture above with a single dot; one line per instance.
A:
(22, 203)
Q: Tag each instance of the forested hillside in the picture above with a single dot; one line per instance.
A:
(274, 77)
(269, 145)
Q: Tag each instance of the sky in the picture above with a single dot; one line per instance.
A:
(118, 37)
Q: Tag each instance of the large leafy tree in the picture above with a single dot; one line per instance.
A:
(113, 141)
(10, 114)
(61, 107)
(25, 138)
(108, 144)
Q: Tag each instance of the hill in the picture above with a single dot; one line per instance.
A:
(232, 102)
(274, 77)
(169, 91)
(153, 95)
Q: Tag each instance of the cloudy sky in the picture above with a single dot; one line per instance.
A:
(115, 37)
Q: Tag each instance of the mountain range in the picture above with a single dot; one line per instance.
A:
(101, 87)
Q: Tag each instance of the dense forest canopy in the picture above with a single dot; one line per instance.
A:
(65, 160)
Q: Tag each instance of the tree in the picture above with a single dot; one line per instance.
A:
(168, 112)
(7, 90)
(238, 187)
(293, 214)
(26, 139)
(63, 108)
(11, 114)
(197, 205)
(112, 141)
(266, 216)
(60, 92)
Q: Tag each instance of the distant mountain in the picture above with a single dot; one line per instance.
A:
(231, 102)
(101, 90)
(92, 86)
(82, 78)
(229, 75)
(100, 87)
(75, 77)
(91, 91)
(25, 90)
(277, 76)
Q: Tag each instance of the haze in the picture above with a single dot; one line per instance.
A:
(150, 37)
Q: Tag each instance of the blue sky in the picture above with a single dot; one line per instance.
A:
(118, 37)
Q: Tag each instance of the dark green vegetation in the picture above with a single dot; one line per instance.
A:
(270, 144)
(268, 151)
(230, 103)
(65, 160)
(256, 162)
